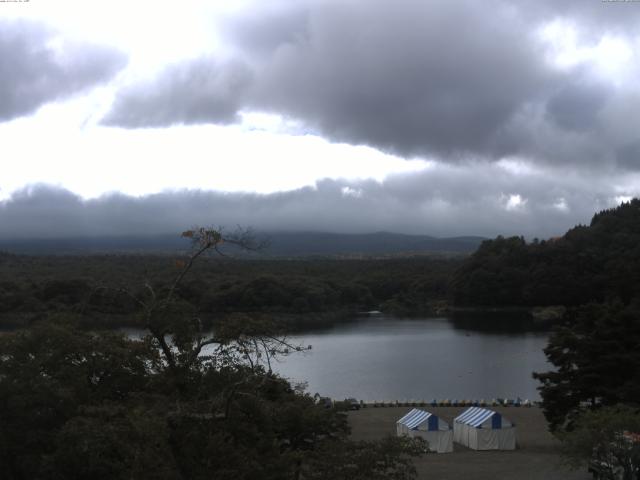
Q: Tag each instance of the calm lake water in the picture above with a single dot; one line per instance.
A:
(388, 358)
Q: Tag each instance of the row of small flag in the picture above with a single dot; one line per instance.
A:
(496, 402)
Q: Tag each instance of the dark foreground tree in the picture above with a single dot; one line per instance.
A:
(608, 440)
(181, 403)
(596, 360)
(388, 459)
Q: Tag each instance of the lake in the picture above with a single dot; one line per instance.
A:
(390, 358)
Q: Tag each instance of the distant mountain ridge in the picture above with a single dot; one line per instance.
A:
(378, 243)
(281, 244)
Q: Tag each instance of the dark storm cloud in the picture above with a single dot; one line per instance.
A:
(576, 107)
(199, 92)
(441, 201)
(397, 76)
(454, 80)
(628, 155)
(33, 72)
(405, 82)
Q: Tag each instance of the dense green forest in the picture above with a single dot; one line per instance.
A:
(591, 395)
(594, 263)
(83, 403)
(307, 292)
(90, 404)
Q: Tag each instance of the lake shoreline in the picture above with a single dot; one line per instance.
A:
(294, 323)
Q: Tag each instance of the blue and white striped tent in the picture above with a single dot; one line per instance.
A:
(437, 432)
(482, 429)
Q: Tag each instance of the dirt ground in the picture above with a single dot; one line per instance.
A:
(535, 458)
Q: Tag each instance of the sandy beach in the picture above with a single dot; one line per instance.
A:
(536, 457)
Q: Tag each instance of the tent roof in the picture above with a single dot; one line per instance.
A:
(414, 418)
(475, 416)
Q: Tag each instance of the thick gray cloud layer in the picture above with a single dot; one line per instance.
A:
(215, 91)
(441, 201)
(402, 79)
(33, 73)
(453, 80)
(466, 83)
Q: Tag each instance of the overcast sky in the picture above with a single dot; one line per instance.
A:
(440, 117)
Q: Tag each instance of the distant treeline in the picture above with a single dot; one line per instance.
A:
(314, 290)
(595, 263)
(279, 245)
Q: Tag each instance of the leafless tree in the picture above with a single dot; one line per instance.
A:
(255, 341)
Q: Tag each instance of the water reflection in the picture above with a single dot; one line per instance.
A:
(499, 323)
(391, 358)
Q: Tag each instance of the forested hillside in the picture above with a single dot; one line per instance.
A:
(591, 263)
(309, 291)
